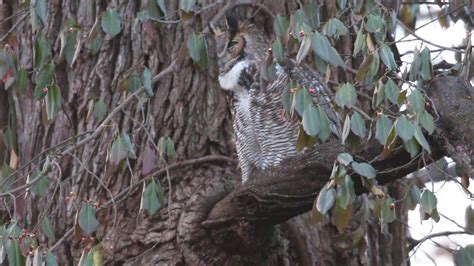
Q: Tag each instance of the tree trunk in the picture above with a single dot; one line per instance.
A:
(189, 107)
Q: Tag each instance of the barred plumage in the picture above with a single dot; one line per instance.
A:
(264, 135)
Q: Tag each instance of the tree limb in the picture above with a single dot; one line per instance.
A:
(287, 190)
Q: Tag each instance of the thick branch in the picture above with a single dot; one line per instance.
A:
(453, 99)
(288, 190)
(278, 194)
(283, 192)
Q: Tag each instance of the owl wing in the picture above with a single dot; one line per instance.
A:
(322, 95)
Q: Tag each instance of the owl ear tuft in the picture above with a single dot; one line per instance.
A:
(232, 23)
(215, 31)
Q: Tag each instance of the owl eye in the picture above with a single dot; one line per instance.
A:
(232, 44)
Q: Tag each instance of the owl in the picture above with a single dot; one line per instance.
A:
(264, 134)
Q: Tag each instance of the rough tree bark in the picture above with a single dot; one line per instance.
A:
(192, 227)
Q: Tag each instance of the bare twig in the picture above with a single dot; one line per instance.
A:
(428, 237)
(45, 151)
(20, 20)
(426, 41)
(114, 205)
(200, 160)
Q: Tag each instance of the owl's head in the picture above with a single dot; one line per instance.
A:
(241, 47)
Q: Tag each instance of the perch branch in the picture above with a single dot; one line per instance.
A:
(287, 190)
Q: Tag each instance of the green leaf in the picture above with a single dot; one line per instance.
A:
(132, 82)
(387, 57)
(87, 259)
(421, 139)
(412, 198)
(38, 14)
(22, 82)
(87, 219)
(156, 9)
(311, 120)
(128, 142)
(346, 95)
(111, 22)
(373, 68)
(14, 255)
(316, 216)
(311, 13)
(435, 215)
(40, 187)
(53, 101)
(13, 231)
(9, 138)
(170, 151)
(68, 38)
(287, 97)
(425, 68)
(346, 193)
(465, 256)
(405, 129)
(304, 140)
(96, 44)
(443, 19)
(151, 197)
(304, 49)
(119, 150)
(392, 91)
(382, 128)
(364, 169)
(379, 94)
(323, 49)
(428, 201)
(388, 210)
(100, 109)
(47, 228)
(299, 19)
(358, 125)
(360, 44)
(345, 158)
(187, 5)
(375, 24)
(341, 217)
(415, 65)
(341, 4)
(43, 79)
(324, 129)
(7, 184)
(412, 147)
(197, 48)
(51, 259)
(280, 26)
(278, 51)
(97, 255)
(417, 101)
(147, 82)
(427, 122)
(42, 50)
(326, 199)
(364, 68)
(334, 28)
(145, 15)
(41, 8)
(163, 9)
(303, 99)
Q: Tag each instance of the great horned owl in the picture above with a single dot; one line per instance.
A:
(264, 135)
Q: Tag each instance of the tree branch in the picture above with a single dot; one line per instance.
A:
(285, 191)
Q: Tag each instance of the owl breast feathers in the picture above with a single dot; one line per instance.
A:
(264, 133)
